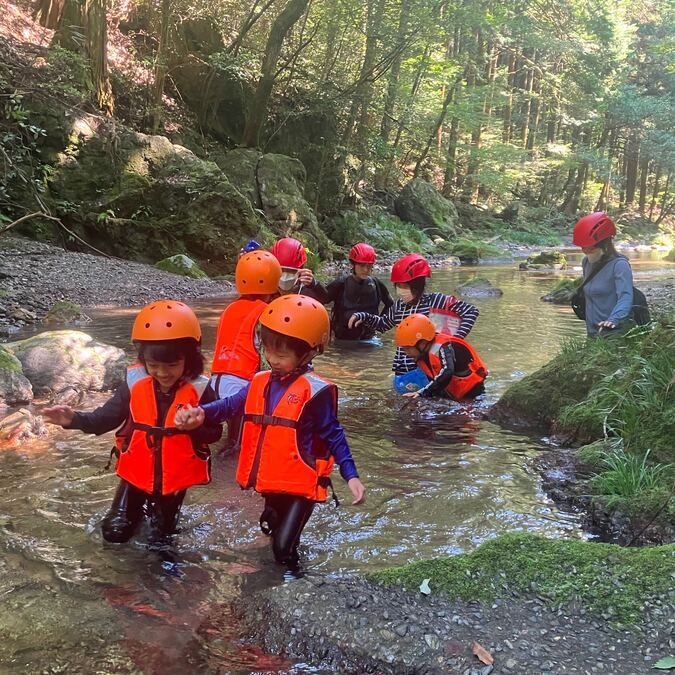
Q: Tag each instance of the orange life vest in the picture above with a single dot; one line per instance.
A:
(235, 352)
(473, 369)
(271, 459)
(159, 459)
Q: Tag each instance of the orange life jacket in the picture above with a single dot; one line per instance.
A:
(235, 352)
(159, 459)
(472, 370)
(271, 459)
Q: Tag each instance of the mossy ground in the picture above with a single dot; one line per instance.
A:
(605, 578)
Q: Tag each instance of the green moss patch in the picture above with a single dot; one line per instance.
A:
(549, 258)
(9, 362)
(471, 250)
(605, 578)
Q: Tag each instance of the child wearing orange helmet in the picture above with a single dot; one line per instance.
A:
(156, 462)
(236, 357)
(452, 365)
(291, 436)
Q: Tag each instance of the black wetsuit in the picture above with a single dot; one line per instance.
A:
(350, 295)
(454, 361)
(130, 504)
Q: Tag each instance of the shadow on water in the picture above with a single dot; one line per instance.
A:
(439, 478)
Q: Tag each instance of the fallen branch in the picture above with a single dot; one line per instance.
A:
(58, 221)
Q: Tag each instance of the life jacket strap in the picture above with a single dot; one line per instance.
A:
(326, 482)
(114, 452)
(270, 420)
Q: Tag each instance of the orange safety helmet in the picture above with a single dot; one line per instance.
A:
(257, 273)
(300, 317)
(166, 320)
(414, 328)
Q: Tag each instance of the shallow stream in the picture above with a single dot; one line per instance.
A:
(440, 480)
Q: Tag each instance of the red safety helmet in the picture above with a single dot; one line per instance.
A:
(409, 267)
(363, 254)
(290, 253)
(592, 229)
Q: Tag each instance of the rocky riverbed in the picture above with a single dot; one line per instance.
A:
(349, 625)
(34, 276)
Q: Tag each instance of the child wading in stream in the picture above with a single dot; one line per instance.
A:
(291, 436)
(156, 462)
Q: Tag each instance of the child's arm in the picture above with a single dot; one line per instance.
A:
(209, 432)
(321, 416)
(216, 412)
(382, 323)
(107, 417)
(439, 384)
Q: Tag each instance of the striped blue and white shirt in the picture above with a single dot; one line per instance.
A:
(428, 301)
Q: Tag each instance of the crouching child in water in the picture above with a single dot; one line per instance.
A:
(452, 365)
(291, 435)
(156, 462)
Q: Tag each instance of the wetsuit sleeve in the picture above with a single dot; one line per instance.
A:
(468, 314)
(385, 297)
(209, 432)
(320, 414)
(315, 290)
(109, 416)
(623, 283)
(439, 384)
(220, 411)
(334, 290)
(386, 320)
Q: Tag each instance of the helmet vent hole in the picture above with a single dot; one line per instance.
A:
(261, 281)
(287, 319)
(147, 325)
(169, 324)
(169, 307)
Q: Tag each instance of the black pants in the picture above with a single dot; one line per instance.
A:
(284, 519)
(130, 505)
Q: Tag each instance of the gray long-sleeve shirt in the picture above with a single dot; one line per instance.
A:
(609, 294)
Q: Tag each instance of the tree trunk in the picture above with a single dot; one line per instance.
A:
(655, 191)
(644, 173)
(282, 24)
(97, 48)
(508, 107)
(48, 13)
(450, 166)
(631, 163)
(71, 31)
(160, 67)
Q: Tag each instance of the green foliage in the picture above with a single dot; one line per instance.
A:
(606, 579)
(380, 229)
(474, 250)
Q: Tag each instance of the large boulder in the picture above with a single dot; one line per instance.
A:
(143, 197)
(183, 265)
(58, 362)
(479, 288)
(14, 385)
(423, 205)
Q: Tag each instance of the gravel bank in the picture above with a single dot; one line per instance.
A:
(33, 276)
(348, 625)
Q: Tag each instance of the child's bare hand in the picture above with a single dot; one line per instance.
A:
(353, 321)
(358, 491)
(412, 394)
(59, 414)
(189, 418)
(306, 277)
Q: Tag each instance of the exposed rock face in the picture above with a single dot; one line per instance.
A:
(423, 205)
(21, 425)
(479, 288)
(58, 362)
(14, 386)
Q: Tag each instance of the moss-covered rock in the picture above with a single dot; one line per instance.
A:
(142, 197)
(471, 251)
(605, 578)
(241, 168)
(545, 260)
(423, 205)
(57, 361)
(14, 386)
(65, 312)
(562, 292)
(670, 257)
(183, 265)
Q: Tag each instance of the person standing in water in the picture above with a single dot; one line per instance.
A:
(291, 436)
(409, 275)
(295, 277)
(608, 277)
(357, 292)
(156, 462)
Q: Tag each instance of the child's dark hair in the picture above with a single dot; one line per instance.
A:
(608, 250)
(417, 286)
(270, 338)
(170, 351)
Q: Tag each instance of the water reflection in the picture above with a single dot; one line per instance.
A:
(440, 480)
